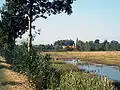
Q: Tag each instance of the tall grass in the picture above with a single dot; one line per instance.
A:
(83, 81)
(73, 79)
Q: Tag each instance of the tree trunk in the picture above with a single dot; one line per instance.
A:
(29, 34)
(29, 26)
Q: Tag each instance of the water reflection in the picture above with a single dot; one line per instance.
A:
(112, 72)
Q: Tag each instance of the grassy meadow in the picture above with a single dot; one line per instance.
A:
(107, 57)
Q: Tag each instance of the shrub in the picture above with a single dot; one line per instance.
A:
(36, 66)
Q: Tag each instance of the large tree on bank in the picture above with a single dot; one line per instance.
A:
(30, 10)
(13, 24)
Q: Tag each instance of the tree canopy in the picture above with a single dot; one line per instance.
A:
(14, 13)
(17, 17)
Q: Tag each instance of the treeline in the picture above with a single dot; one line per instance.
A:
(64, 45)
(44, 48)
(97, 46)
(57, 46)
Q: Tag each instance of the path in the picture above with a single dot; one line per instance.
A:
(10, 80)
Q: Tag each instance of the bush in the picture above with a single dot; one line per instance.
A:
(36, 66)
(6, 53)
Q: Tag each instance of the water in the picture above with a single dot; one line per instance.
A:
(112, 72)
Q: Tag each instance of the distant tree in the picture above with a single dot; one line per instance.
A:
(58, 48)
(97, 44)
(97, 41)
(87, 46)
(115, 45)
(92, 46)
(106, 45)
(44, 48)
(80, 45)
(59, 43)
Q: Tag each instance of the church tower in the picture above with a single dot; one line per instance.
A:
(76, 41)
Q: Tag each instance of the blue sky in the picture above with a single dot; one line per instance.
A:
(1, 2)
(90, 20)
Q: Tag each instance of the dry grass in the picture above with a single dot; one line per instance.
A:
(112, 58)
(14, 80)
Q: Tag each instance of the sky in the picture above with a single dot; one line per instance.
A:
(90, 20)
(1, 2)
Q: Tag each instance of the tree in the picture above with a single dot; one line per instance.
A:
(92, 47)
(17, 17)
(32, 9)
(89, 46)
(97, 41)
(39, 8)
(80, 45)
(13, 25)
(97, 44)
(115, 45)
(44, 48)
(106, 45)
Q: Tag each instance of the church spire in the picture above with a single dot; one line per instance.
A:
(76, 41)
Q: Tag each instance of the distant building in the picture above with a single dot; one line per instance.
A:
(72, 47)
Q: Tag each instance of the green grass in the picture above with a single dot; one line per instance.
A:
(62, 66)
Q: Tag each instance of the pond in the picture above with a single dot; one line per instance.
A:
(112, 72)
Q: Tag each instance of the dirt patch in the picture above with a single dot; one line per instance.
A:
(14, 80)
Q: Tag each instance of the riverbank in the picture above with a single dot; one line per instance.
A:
(73, 78)
(10, 80)
(107, 57)
(70, 79)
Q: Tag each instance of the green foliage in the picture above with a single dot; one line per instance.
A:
(36, 66)
(14, 15)
(63, 67)
(80, 45)
(97, 46)
(83, 81)
(13, 24)
(45, 48)
(58, 48)
(6, 53)
(72, 78)
(2, 51)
